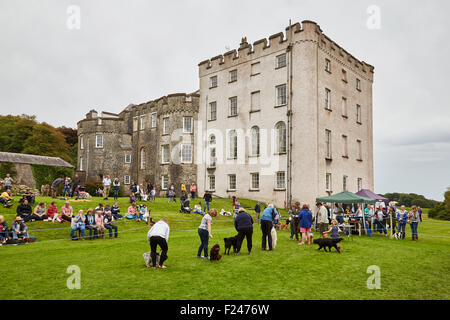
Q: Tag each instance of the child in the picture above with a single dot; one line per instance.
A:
(132, 198)
(153, 194)
(334, 230)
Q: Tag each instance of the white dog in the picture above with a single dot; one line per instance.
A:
(273, 233)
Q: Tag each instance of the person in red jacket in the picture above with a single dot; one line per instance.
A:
(52, 212)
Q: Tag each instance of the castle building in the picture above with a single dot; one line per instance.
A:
(286, 119)
(152, 141)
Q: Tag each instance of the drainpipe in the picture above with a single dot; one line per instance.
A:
(205, 149)
(289, 119)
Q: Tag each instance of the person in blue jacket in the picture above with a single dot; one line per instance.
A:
(402, 216)
(267, 218)
(305, 219)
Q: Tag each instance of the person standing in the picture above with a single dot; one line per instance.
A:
(75, 186)
(106, 187)
(322, 218)
(419, 210)
(193, 190)
(295, 224)
(55, 185)
(204, 231)
(257, 211)
(8, 182)
(305, 218)
(379, 216)
(244, 226)
(116, 188)
(402, 217)
(267, 219)
(413, 219)
(207, 201)
(67, 187)
(158, 235)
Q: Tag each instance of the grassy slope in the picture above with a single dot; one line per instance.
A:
(114, 269)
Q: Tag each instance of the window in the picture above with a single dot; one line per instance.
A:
(359, 183)
(213, 110)
(359, 149)
(187, 124)
(232, 135)
(328, 182)
(153, 119)
(142, 123)
(254, 181)
(165, 154)
(358, 84)
(344, 183)
(126, 179)
(280, 137)
(81, 164)
(345, 146)
(128, 158)
(344, 107)
(281, 61)
(186, 153)
(212, 157)
(212, 182)
(281, 180)
(99, 141)
(233, 106)
(142, 158)
(327, 144)
(327, 65)
(281, 95)
(135, 123)
(256, 68)
(358, 113)
(327, 99)
(233, 75)
(164, 182)
(255, 141)
(255, 101)
(231, 182)
(212, 139)
(81, 142)
(344, 75)
(166, 126)
(213, 82)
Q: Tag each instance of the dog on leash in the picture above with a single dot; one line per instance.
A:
(327, 242)
(214, 253)
(273, 233)
(230, 242)
(148, 259)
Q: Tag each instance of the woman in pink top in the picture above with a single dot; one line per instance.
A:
(66, 212)
(132, 212)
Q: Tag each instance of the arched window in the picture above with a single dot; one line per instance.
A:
(232, 135)
(280, 137)
(142, 158)
(255, 141)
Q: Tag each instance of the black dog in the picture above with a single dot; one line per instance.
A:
(214, 253)
(327, 242)
(232, 241)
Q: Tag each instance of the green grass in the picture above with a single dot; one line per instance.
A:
(114, 269)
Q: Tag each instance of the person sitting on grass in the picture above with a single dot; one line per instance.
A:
(39, 213)
(66, 212)
(107, 222)
(27, 196)
(19, 229)
(132, 212)
(78, 223)
(143, 212)
(107, 208)
(4, 232)
(132, 198)
(24, 211)
(6, 198)
(115, 210)
(100, 207)
(158, 235)
(198, 208)
(90, 224)
(334, 230)
(305, 219)
(52, 212)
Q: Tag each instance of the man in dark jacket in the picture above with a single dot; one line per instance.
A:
(258, 211)
(208, 198)
(244, 226)
(24, 211)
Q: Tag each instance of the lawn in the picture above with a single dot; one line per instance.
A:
(114, 269)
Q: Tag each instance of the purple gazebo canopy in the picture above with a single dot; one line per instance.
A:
(369, 194)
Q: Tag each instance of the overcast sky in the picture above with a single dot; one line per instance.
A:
(135, 51)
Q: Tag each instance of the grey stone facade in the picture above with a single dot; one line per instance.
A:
(131, 143)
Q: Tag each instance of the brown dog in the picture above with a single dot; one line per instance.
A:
(214, 253)
(284, 226)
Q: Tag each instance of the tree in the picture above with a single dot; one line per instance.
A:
(442, 210)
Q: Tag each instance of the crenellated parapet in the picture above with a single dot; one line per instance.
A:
(278, 42)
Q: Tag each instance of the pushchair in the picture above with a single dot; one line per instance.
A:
(185, 207)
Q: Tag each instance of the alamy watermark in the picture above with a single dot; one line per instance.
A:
(73, 17)
(74, 280)
(374, 280)
(374, 19)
